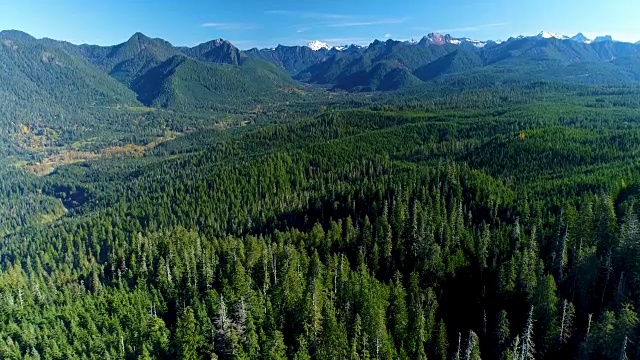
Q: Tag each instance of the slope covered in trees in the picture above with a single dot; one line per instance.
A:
(517, 59)
(31, 70)
(185, 84)
(496, 222)
(187, 80)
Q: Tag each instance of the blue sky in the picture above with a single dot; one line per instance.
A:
(266, 23)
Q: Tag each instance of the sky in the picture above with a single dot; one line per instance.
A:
(267, 23)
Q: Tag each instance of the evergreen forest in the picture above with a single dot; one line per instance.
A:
(170, 214)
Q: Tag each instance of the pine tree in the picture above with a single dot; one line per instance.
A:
(502, 332)
(251, 342)
(187, 337)
(513, 352)
(398, 312)
(334, 340)
(483, 249)
(566, 322)
(275, 347)
(303, 352)
(546, 324)
(473, 347)
(527, 349)
(315, 304)
(441, 345)
(144, 354)
(226, 339)
(359, 341)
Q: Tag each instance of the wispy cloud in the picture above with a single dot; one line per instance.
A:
(330, 20)
(386, 36)
(308, 14)
(304, 29)
(466, 28)
(229, 26)
(365, 23)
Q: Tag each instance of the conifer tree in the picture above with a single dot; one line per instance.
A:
(275, 348)
(527, 349)
(187, 337)
(398, 312)
(440, 343)
(502, 332)
(566, 322)
(473, 347)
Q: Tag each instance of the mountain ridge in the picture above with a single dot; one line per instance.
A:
(142, 69)
(380, 66)
(325, 45)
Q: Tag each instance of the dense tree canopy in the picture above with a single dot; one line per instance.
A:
(496, 222)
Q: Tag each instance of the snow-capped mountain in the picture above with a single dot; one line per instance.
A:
(439, 39)
(433, 39)
(581, 38)
(436, 38)
(476, 43)
(416, 61)
(318, 45)
(549, 35)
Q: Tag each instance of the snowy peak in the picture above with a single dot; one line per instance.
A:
(476, 43)
(439, 39)
(434, 38)
(318, 45)
(549, 35)
(581, 38)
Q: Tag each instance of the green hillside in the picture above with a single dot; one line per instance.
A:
(364, 69)
(292, 59)
(48, 97)
(30, 67)
(552, 59)
(130, 59)
(187, 84)
(460, 60)
(217, 51)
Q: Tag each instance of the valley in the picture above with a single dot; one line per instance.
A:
(444, 198)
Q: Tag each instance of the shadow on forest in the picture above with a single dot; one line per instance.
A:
(72, 196)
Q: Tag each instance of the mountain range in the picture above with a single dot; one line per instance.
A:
(393, 65)
(141, 70)
(216, 74)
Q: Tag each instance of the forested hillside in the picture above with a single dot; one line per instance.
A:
(74, 77)
(401, 65)
(466, 221)
(189, 85)
(460, 201)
